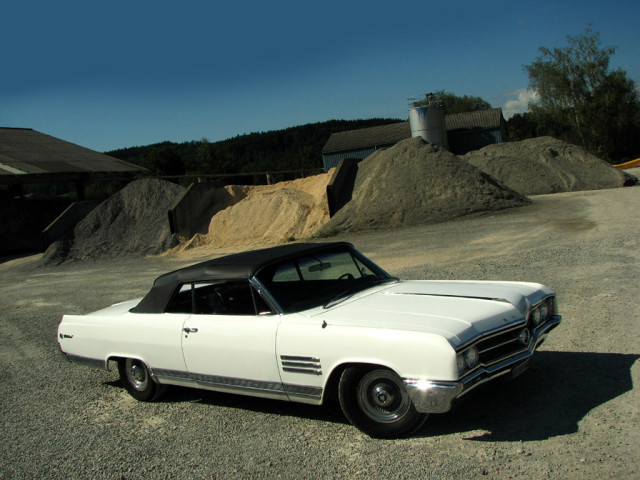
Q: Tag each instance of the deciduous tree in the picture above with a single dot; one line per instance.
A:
(581, 100)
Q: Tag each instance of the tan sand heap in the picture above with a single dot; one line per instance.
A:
(268, 214)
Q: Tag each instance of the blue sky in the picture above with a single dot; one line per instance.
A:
(119, 74)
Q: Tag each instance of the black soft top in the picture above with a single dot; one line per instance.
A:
(237, 266)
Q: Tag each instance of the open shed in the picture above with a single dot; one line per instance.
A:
(30, 157)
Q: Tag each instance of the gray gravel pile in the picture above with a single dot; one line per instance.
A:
(134, 221)
(546, 165)
(415, 183)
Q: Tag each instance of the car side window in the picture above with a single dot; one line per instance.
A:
(182, 301)
(287, 272)
(218, 298)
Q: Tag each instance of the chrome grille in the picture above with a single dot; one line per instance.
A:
(501, 345)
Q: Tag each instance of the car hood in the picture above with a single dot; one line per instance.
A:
(457, 310)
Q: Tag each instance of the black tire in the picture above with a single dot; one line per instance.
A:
(137, 380)
(376, 402)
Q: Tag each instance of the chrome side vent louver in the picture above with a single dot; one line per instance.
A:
(297, 364)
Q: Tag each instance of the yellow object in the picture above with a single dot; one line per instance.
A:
(630, 164)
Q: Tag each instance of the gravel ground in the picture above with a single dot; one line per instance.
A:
(575, 414)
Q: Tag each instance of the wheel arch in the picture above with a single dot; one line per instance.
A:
(117, 358)
(330, 391)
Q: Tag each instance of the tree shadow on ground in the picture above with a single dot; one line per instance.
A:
(548, 400)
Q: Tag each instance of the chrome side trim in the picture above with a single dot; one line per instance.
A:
(266, 295)
(89, 362)
(242, 384)
(302, 370)
(299, 364)
(297, 358)
(239, 385)
(303, 391)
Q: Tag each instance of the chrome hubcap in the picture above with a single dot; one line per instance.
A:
(137, 374)
(382, 397)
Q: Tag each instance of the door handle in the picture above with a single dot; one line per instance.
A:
(190, 330)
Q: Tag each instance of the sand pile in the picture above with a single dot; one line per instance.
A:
(134, 221)
(413, 183)
(269, 214)
(546, 165)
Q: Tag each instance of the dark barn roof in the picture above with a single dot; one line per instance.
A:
(26, 152)
(489, 118)
(368, 137)
(395, 132)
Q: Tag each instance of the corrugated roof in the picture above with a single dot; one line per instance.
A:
(368, 137)
(489, 118)
(395, 132)
(24, 151)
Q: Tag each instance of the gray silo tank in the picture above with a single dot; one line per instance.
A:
(426, 118)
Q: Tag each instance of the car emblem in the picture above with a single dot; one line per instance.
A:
(524, 336)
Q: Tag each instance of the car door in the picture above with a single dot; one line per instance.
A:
(229, 341)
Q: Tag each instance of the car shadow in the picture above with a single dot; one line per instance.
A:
(550, 399)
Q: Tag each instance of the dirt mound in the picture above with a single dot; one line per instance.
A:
(545, 165)
(413, 183)
(270, 214)
(134, 221)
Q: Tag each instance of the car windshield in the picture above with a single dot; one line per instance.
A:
(322, 278)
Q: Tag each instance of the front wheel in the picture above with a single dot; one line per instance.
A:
(137, 380)
(376, 401)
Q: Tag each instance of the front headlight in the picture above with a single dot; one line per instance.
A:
(544, 310)
(462, 364)
(536, 315)
(471, 358)
(467, 360)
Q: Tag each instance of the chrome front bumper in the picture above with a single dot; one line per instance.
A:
(436, 396)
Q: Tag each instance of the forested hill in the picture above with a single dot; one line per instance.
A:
(289, 149)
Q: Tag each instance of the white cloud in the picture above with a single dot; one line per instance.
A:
(520, 104)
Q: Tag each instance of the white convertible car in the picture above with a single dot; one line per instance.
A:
(308, 322)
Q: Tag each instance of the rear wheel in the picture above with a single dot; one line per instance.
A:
(376, 401)
(137, 380)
